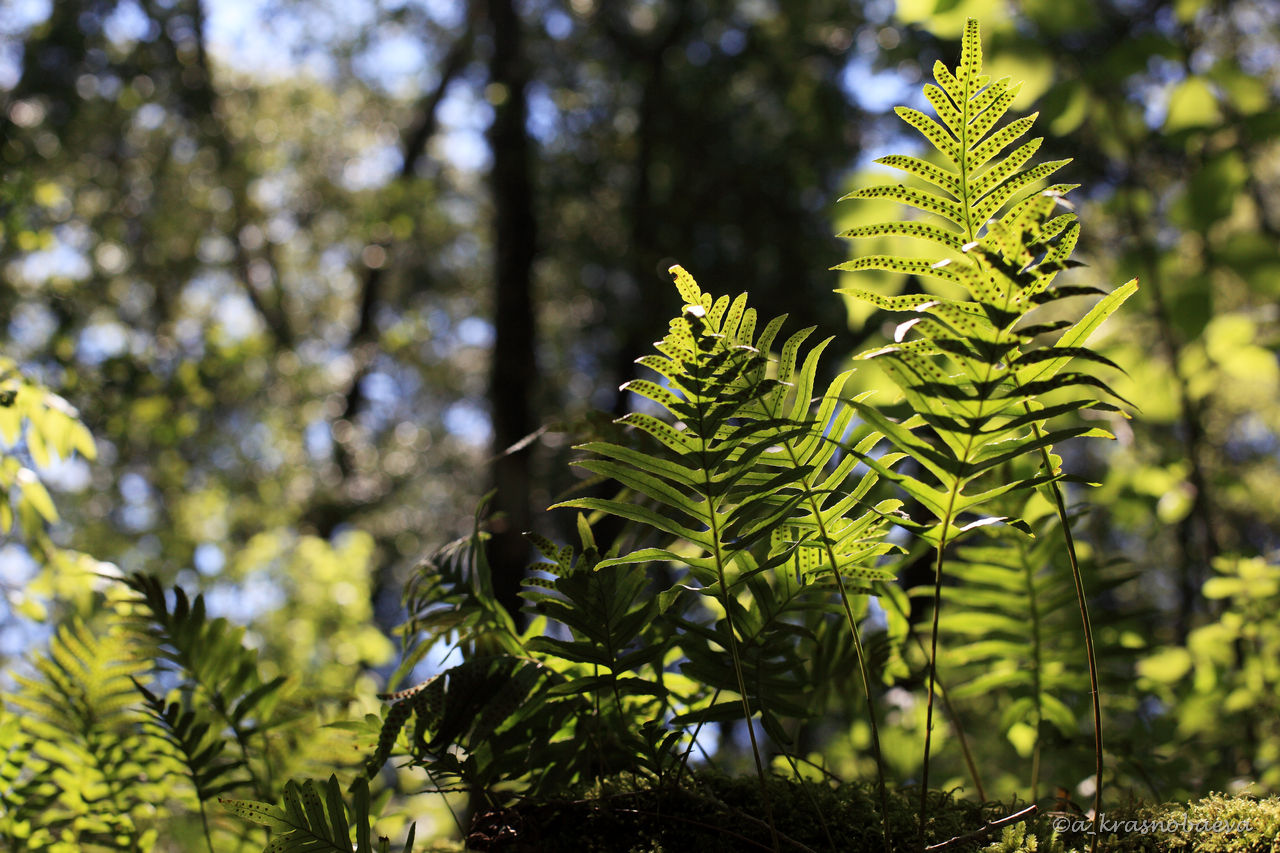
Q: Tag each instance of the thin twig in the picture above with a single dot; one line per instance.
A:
(1017, 817)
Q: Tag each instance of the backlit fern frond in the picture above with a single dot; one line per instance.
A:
(982, 389)
(703, 474)
(78, 767)
(970, 365)
(1007, 631)
(753, 486)
(203, 754)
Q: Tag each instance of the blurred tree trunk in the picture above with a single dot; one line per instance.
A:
(514, 372)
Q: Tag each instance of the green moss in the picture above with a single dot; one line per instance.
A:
(1216, 824)
(718, 814)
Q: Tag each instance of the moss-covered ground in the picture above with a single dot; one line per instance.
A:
(717, 814)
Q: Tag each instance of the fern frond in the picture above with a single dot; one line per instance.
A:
(450, 598)
(26, 791)
(215, 668)
(201, 751)
(78, 761)
(487, 719)
(606, 611)
(975, 370)
(746, 476)
(982, 385)
(314, 817)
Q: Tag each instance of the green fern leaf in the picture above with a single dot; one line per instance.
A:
(314, 817)
(201, 751)
(971, 364)
(77, 755)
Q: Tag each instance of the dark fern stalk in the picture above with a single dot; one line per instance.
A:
(970, 368)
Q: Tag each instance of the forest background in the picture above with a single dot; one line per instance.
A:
(308, 269)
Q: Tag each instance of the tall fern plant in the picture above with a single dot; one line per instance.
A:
(983, 387)
(745, 483)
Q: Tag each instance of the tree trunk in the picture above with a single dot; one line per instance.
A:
(514, 371)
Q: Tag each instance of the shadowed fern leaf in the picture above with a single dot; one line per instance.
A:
(477, 722)
(450, 599)
(316, 817)
(703, 474)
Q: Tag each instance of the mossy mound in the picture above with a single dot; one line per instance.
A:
(717, 814)
(1215, 824)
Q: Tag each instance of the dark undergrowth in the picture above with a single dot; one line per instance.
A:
(718, 814)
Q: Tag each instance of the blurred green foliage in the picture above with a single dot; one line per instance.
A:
(269, 300)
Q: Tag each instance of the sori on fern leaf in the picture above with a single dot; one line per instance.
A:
(982, 388)
(757, 505)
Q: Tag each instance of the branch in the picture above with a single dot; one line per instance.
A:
(201, 109)
(413, 145)
(1017, 817)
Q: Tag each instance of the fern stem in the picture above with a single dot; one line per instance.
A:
(1036, 667)
(204, 824)
(816, 509)
(693, 741)
(871, 712)
(737, 671)
(714, 523)
(950, 709)
(933, 657)
(444, 795)
(1087, 625)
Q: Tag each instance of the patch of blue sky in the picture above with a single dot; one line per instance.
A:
(31, 326)
(61, 260)
(127, 23)
(257, 36)
(876, 91)
(543, 121)
(475, 332)
(100, 341)
(380, 388)
(236, 316)
(395, 62)
(19, 16)
(134, 488)
(243, 602)
(16, 565)
(371, 168)
(209, 558)
(317, 438)
(557, 24)
(468, 422)
(70, 476)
